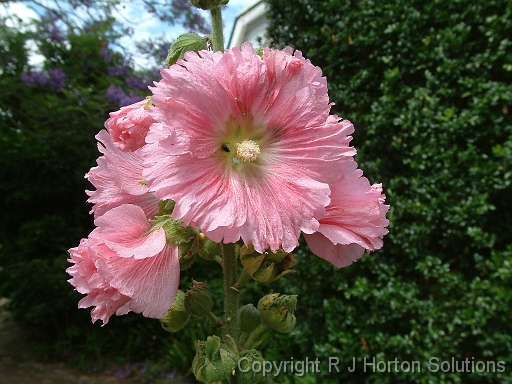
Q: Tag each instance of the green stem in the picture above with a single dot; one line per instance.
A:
(217, 33)
(252, 341)
(231, 295)
(244, 279)
(214, 319)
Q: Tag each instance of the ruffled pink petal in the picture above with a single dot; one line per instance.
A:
(151, 283)
(125, 167)
(126, 230)
(86, 279)
(355, 216)
(340, 255)
(283, 99)
(118, 180)
(108, 195)
(129, 126)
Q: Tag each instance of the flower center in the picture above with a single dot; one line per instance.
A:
(247, 151)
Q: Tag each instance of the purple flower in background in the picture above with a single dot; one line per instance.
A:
(181, 5)
(195, 23)
(106, 54)
(117, 70)
(115, 93)
(132, 98)
(32, 78)
(138, 82)
(57, 78)
(55, 33)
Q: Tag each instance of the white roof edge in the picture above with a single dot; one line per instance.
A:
(245, 17)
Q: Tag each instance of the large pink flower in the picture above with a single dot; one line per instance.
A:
(125, 266)
(355, 219)
(118, 179)
(129, 126)
(245, 145)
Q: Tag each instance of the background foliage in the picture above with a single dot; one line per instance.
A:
(49, 114)
(428, 87)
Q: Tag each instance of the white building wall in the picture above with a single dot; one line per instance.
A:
(250, 25)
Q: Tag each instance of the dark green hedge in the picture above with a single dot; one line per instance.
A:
(428, 86)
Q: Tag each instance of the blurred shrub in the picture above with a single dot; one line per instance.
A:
(50, 112)
(428, 86)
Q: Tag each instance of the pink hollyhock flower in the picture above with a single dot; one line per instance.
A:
(128, 126)
(124, 266)
(245, 145)
(118, 179)
(355, 219)
(86, 279)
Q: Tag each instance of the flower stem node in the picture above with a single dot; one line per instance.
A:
(215, 360)
(198, 300)
(277, 311)
(268, 266)
(184, 43)
(176, 318)
(245, 374)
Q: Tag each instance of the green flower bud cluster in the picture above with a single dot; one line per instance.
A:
(208, 4)
(215, 359)
(268, 266)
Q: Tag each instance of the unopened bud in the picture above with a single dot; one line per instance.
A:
(207, 4)
(248, 318)
(176, 318)
(198, 300)
(277, 311)
(246, 374)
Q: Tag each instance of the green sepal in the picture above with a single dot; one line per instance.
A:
(184, 43)
(165, 207)
(210, 250)
(175, 231)
(176, 318)
(266, 267)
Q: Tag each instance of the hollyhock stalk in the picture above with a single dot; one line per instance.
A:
(234, 156)
(229, 251)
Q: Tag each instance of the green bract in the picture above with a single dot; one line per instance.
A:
(184, 43)
(176, 318)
